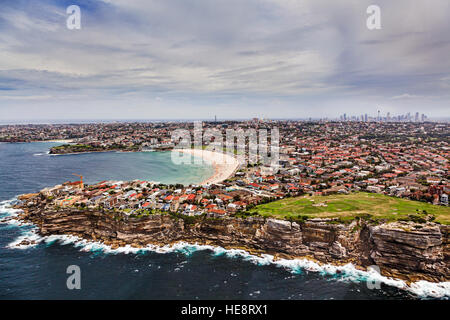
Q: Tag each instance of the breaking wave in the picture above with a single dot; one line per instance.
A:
(348, 272)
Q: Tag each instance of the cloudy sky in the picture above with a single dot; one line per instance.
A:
(185, 59)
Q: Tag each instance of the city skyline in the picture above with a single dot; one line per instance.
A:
(388, 117)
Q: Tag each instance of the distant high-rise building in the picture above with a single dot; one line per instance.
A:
(407, 117)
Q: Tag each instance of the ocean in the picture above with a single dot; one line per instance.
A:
(180, 272)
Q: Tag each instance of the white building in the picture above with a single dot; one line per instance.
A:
(444, 199)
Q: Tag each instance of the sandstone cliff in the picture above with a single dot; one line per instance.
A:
(403, 250)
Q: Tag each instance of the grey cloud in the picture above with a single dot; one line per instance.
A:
(213, 52)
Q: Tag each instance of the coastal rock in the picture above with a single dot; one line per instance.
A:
(337, 250)
(403, 250)
(401, 246)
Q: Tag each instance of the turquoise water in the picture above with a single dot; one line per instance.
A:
(26, 167)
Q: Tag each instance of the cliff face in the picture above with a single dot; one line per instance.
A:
(403, 250)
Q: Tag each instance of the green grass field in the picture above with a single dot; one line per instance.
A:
(346, 207)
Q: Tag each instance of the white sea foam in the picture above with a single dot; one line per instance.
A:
(7, 211)
(30, 237)
(346, 272)
(6, 204)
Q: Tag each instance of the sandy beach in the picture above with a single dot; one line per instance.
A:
(224, 164)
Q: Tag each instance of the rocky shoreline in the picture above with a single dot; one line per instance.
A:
(401, 250)
(80, 149)
(68, 150)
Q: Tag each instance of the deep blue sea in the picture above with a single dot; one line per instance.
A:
(185, 272)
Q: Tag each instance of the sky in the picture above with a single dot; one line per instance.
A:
(234, 59)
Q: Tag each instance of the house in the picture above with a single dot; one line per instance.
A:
(375, 189)
(217, 212)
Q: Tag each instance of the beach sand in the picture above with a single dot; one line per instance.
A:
(224, 164)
